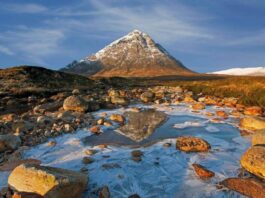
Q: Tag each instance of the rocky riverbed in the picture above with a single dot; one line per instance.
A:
(136, 143)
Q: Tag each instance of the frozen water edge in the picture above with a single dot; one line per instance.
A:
(163, 172)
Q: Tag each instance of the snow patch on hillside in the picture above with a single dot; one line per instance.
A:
(250, 71)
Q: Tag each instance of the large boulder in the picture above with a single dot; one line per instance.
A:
(75, 103)
(246, 186)
(47, 181)
(192, 144)
(252, 123)
(258, 138)
(9, 142)
(253, 160)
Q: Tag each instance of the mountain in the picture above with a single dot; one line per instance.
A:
(21, 79)
(134, 55)
(250, 71)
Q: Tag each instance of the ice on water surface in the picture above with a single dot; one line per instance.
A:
(163, 172)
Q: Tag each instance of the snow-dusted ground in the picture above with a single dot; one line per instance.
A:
(163, 172)
(250, 71)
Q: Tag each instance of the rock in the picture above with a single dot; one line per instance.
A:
(110, 166)
(147, 96)
(142, 124)
(188, 99)
(87, 160)
(52, 143)
(66, 116)
(22, 126)
(75, 103)
(44, 120)
(202, 172)
(104, 192)
(9, 166)
(47, 181)
(95, 129)
(47, 107)
(258, 138)
(26, 195)
(75, 92)
(192, 144)
(8, 117)
(102, 146)
(117, 118)
(246, 186)
(90, 152)
(9, 142)
(68, 128)
(107, 124)
(167, 144)
(136, 153)
(222, 114)
(118, 100)
(198, 106)
(252, 123)
(134, 196)
(253, 111)
(253, 160)
(100, 121)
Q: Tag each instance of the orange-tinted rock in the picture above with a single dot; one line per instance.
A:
(202, 172)
(198, 106)
(252, 123)
(246, 186)
(95, 129)
(117, 118)
(222, 114)
(254, 111)
(192, 144)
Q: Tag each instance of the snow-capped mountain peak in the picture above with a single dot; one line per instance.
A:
(135, 54)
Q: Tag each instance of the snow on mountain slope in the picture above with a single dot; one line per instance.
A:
(250, 71)
(133, 55)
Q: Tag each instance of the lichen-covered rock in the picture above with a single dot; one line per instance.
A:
(252, 123)
(246, 186)
(75, 103)
(253, 160)
(9, 142)
(47, 181)
(192, 144)
(258, 138)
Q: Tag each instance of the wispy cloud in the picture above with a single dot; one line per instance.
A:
(34, 44)
(30, 8)
(6, 50)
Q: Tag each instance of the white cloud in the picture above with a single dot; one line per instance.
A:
(29, 8)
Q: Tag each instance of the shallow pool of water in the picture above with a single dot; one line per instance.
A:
(163, 172)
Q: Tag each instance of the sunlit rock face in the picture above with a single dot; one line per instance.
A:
(142, 124)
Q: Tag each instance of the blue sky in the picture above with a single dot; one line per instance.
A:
(206, 35)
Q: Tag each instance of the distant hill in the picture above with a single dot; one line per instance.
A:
(31, 78)
(134, 55)
(250, 71)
